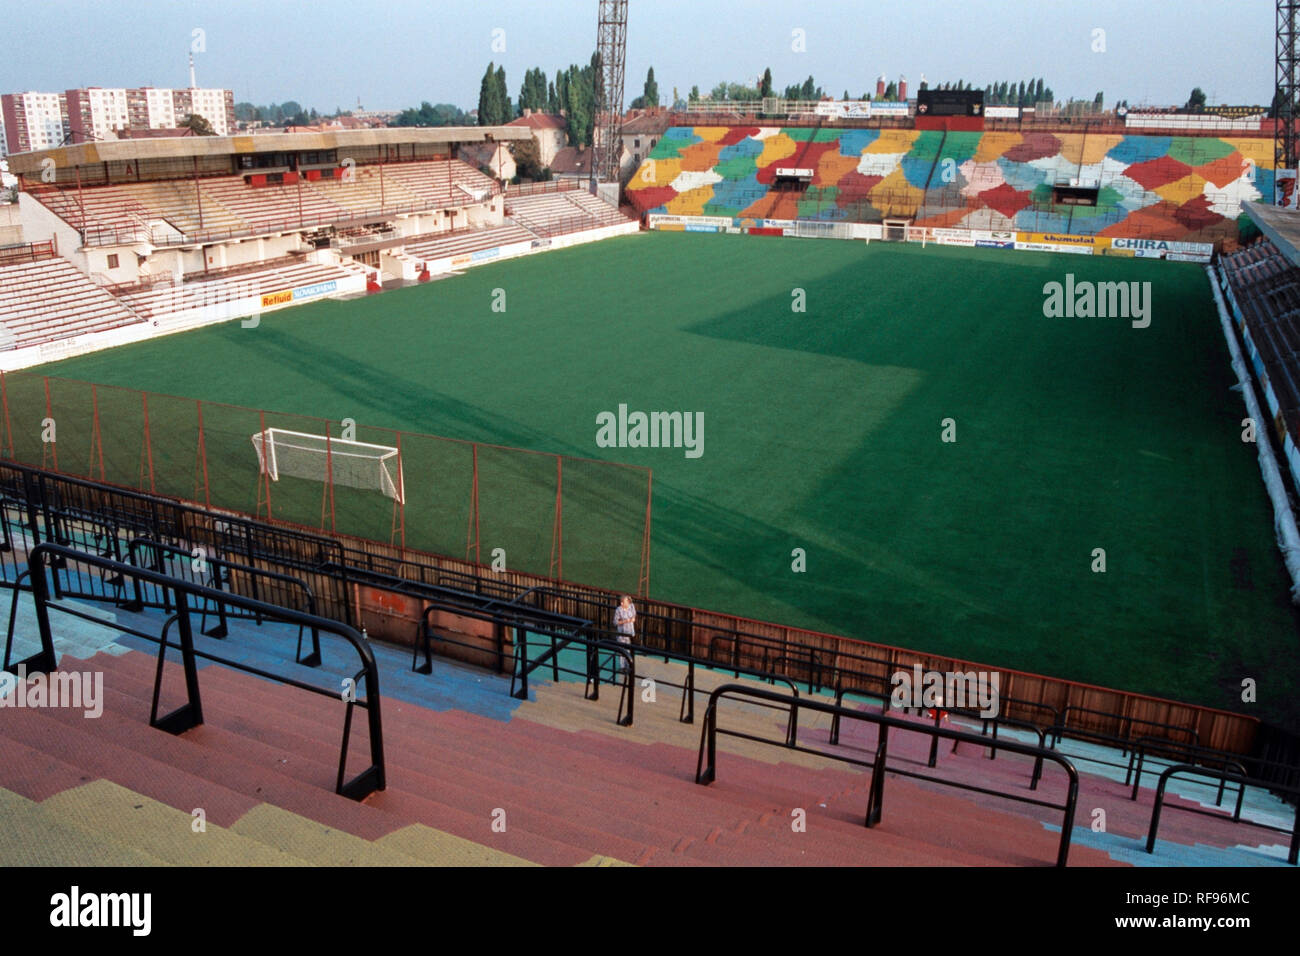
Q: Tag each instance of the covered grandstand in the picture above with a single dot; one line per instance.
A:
(1109, 185)
(166, 234)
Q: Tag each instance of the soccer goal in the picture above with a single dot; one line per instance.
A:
(334, 461)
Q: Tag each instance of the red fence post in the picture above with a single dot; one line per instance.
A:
(4, 397)
(644, 583)
(329, 481)
(401, 494)
(96, 438)
(557, 532)
(49, 415)
(203, 456)
(471, 534)
(148, 441)
(265, 476)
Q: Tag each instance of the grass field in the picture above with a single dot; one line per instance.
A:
(823, 432)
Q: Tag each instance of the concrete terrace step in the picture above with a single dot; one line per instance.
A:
(316, 803)
(626, 805)
(245, 740)
(36, 835)
(338, 812)
(716, 848)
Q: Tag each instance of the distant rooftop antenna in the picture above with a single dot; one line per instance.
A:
(193, 83)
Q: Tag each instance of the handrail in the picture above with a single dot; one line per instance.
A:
(840, 694)
(216, 563)
(523, 666)
(1055, 734)
(887, 705)
(706, 773)
(190, 714)
(1126, 719)
(457, 602)
(1176, 750)
(1037, 772)
(337, 559)
(686, 714)
(1188, 769)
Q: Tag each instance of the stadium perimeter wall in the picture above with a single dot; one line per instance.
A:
(790, 651)
(1086, 245)
(705, 634)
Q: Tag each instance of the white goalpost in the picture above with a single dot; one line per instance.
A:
(350, 464)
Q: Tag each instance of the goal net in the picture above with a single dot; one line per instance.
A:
(350, 464)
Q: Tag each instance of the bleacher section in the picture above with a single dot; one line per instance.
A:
(1160, 187)
(164, 300)
(48, 300)
(464, 242)
(227, 206)
(1267, 288)
(560, 213)
(575, 788)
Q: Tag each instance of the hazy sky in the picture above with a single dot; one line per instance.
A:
(328, 53)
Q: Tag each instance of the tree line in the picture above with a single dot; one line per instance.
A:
(288, 113)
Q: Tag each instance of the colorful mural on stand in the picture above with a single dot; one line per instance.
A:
(1185, 188)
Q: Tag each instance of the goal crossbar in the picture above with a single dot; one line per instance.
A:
(324, 458)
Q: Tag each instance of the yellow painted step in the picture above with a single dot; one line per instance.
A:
(315, 842)
(563, 709)
(31, 835)
(436, 848)
(103, 807)
(603, 861)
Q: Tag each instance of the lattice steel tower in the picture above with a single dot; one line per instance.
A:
(611, 48)
(1284, 146)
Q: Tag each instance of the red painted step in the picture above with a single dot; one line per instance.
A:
(803, 839)
(469, 817)
(214, 688)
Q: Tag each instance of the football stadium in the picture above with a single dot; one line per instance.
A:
(882, 482)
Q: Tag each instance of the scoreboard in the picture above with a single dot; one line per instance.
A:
(950, 103)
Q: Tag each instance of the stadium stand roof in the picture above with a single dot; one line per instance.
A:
(540, 121)
(1281, 226)
(83, 154)
(572, 160)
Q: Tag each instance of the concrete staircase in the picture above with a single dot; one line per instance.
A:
(475, 777)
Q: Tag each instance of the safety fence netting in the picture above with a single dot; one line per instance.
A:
(567, 518)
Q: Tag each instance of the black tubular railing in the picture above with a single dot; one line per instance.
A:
(686, 714)
(1126, 722)
(841, 693)
(218, 578)
(1122, 744)
(706, 763)
(986, 723)
(523, 666)
(52, 502)
(1158, 748)
(501, 615)
(1293, 853)
(992, 745)
(190, 714)
(561, 629)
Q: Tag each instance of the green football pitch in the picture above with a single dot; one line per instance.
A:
(824, 431)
